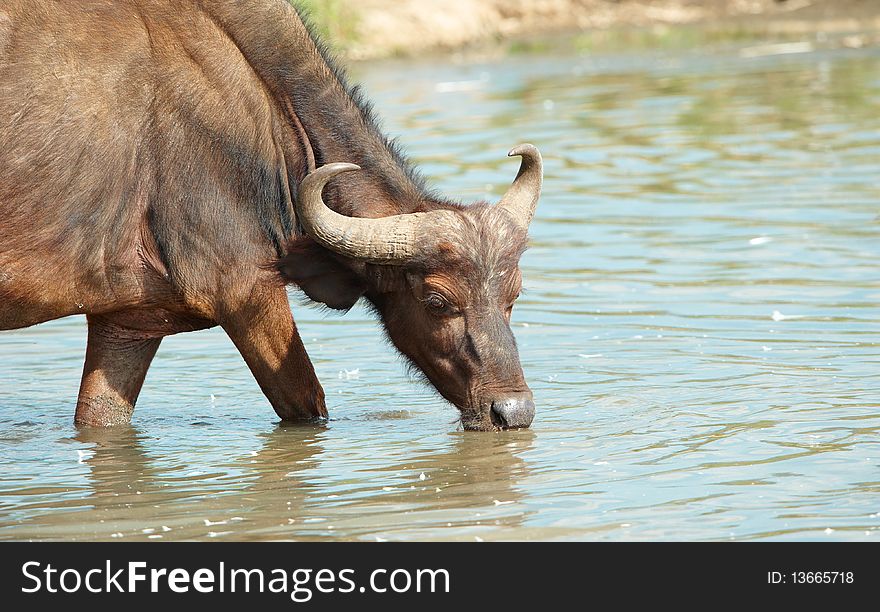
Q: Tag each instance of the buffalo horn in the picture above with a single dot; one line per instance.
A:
(522, 196)
(400, 238)
(385, 240)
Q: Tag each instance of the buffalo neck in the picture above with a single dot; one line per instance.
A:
(338, 124)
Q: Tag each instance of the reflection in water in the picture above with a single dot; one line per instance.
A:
(699, 327)
(467, 487)
(276, 492)
(119, 469)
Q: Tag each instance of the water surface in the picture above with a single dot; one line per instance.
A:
(700, 328)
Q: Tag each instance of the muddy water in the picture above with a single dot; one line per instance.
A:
(700, 328)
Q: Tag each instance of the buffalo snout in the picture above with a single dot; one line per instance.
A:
(513, 412)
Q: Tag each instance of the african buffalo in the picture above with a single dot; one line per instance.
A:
(170, 165)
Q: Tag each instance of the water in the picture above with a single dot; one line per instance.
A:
(700, 328)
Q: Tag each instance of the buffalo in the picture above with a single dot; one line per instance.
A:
(169, 166)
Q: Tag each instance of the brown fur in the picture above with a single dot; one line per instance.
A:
(149, 153)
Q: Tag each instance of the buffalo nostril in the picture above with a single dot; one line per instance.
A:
(514, 413)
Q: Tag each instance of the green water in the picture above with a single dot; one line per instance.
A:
(700, 328)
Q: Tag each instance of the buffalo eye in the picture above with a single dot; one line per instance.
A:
(437, 304)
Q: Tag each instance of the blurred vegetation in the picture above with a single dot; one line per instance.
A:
(334, 20)
(661, 37)
(339, 22)
(674, 37)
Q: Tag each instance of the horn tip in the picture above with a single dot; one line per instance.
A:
(321, 176)
(339, 167)
(523, 149)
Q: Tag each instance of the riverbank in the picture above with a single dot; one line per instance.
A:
(363, 29)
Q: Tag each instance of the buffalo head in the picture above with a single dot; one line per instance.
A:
(444, 282)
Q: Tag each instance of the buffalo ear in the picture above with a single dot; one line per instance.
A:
(321, 277)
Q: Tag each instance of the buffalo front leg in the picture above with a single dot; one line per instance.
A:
(265, 334)
(117, 360)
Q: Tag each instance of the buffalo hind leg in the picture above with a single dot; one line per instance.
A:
(117, 360)
(266, 336)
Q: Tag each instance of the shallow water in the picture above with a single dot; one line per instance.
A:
(700, 329)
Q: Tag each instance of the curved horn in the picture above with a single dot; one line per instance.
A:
(522, 196)
(384, 240)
